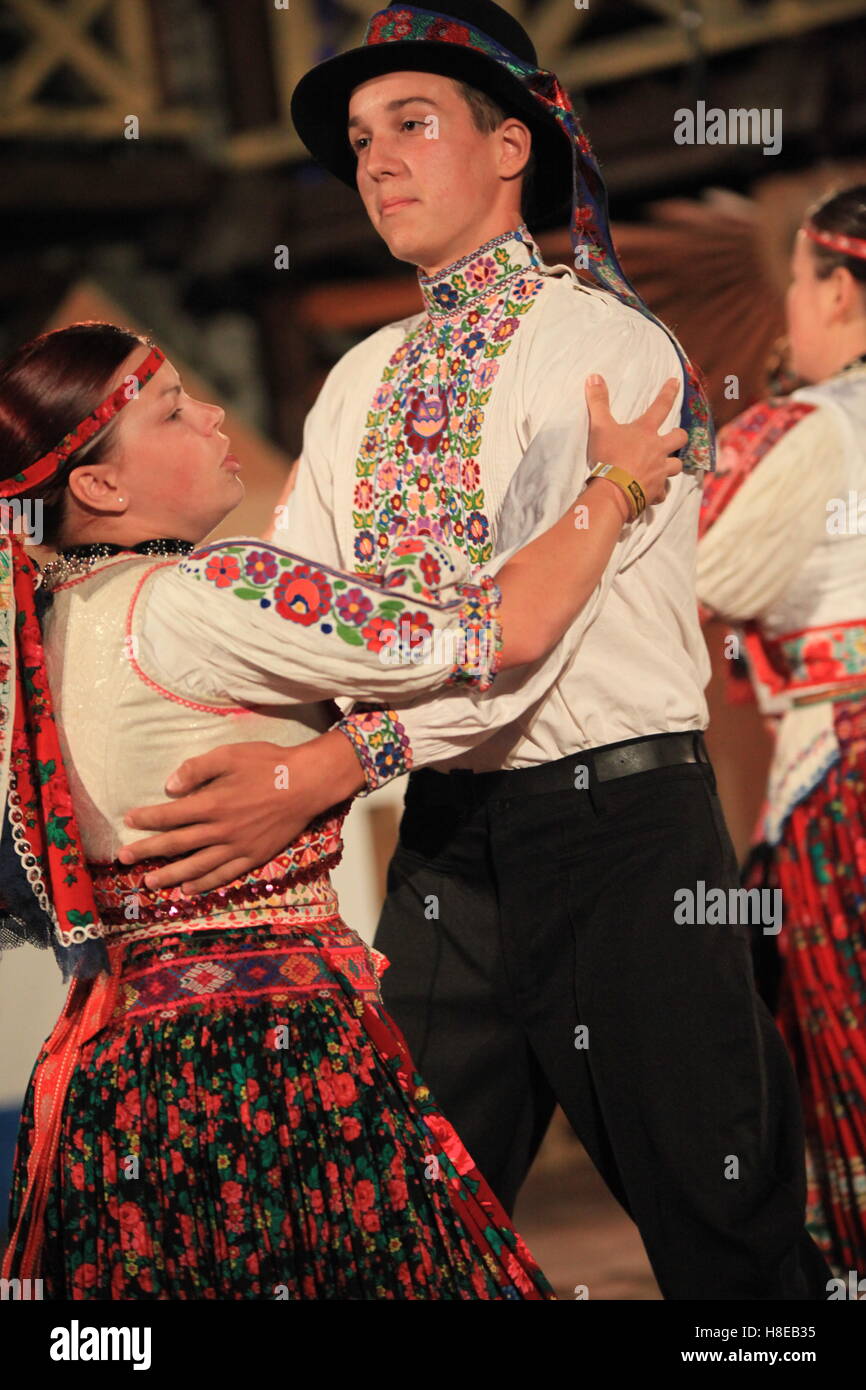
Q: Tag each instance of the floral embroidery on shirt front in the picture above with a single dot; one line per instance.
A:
(417, 470)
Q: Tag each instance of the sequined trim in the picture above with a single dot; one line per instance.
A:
(298, 877)
(123, 897)
(65, 574)
(240, 919)
(71, 569)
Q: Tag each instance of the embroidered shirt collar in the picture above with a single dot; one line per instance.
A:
(456, 287)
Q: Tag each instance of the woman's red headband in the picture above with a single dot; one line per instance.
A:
(38, 472)
(835, 241)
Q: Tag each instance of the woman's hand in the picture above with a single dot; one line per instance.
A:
(636, 447)
(547, 583)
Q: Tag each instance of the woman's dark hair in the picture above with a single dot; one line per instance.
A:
(46, 388)
(843, 212)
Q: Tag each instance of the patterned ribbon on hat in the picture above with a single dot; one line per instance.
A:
(47, 890)
(590, 222)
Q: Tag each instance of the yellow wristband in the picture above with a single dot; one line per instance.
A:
(630, 486)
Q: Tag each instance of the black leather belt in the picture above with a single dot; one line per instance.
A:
(641, 755)
(604, 764)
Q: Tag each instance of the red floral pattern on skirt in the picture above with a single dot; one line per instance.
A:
(262, 1146)
(820, 866)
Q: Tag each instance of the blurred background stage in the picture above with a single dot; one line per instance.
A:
(149, 174)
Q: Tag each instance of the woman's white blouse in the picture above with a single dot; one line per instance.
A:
(151, 661)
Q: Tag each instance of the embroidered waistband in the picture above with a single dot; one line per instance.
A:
(210, 973)
(829, 659)
(855, 691)
(240, 919)
(833, 655)
(124, 901)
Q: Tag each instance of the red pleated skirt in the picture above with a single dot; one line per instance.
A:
(820, 866)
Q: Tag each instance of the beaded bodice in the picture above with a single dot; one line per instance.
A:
(295, 885)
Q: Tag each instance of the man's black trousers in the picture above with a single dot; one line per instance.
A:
(535, 958)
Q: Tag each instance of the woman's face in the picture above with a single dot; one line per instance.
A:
(811, 311)
(170, 472)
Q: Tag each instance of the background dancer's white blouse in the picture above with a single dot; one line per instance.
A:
(784, 550)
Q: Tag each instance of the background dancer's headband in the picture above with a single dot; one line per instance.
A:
(42, 468)
(430, 41)
(47, 894)
(837, 241)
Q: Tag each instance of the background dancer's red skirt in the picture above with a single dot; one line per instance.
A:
(820, 866)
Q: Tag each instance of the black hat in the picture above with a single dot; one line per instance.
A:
(477, 42)
(320, 102)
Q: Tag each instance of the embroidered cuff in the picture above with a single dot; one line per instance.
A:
(380, 742)
(480, 655)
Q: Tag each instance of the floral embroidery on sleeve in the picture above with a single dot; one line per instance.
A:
(380, 740)
(400, 611)
(422, 566)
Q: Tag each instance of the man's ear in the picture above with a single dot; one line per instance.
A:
(515, 148)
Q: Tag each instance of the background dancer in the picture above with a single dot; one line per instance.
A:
(783, 552)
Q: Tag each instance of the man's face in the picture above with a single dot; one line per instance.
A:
(426, 174)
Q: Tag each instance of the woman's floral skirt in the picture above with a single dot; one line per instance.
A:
(820, 866)
(249, 1125)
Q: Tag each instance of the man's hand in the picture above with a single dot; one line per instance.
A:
(253, 800)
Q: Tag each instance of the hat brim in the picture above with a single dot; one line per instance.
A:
(320, 107)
